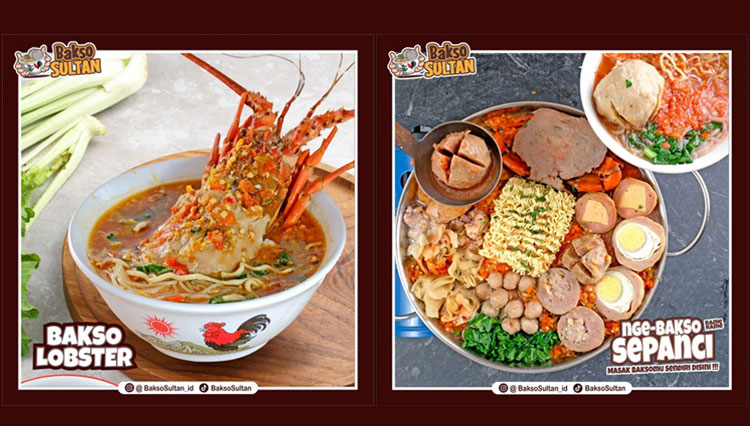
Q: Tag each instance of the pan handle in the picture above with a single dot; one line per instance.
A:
(706, 214)
(405, 140)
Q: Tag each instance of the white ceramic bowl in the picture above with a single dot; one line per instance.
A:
(588, 70)
(180, 324)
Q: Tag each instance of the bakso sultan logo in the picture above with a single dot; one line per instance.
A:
(63, 59)
(441, 60)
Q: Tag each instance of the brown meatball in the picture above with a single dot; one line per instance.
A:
(511, 325)
(483, 291)
(529, 326)
(489, 310)
(495, 279)
(514, 308)
(525, 283)
(510, 282)
(498, 298)
(533, 309)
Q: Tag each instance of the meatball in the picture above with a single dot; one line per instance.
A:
(525, 283)
(483, 291)
(514, 308)
(510, 282)
(489, 310)
(499, 298)
(495, 279)
(529, 326)
(533, 309)
(511, 325)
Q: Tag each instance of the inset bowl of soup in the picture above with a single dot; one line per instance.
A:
(219, 325)
(667, 112)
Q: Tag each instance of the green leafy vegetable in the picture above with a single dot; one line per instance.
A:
(284, 259)
(261, 272)
(628, 83)
(153, 269)
(662, 149)
(485, 336)
(29, 262)
(110, 236)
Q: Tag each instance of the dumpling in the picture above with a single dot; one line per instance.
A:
(630, 93)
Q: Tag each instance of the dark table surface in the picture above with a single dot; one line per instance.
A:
(695, 284)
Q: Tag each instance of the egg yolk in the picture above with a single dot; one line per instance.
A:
(609, 288)
(631, 238)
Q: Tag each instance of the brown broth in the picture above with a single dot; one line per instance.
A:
(154, 205)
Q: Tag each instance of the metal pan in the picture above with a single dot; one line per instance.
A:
(409, 197)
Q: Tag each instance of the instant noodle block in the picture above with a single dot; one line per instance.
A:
(528, 225)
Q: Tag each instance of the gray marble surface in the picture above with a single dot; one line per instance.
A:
(181, 107)
(695, 284)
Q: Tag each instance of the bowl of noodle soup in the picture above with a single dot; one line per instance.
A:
(201, 332)
(689, 129)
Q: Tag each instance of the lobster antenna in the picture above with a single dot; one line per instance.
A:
(339, 75)
(236, 87)
(300, 85)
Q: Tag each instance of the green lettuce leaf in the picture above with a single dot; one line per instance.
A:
(29, 262)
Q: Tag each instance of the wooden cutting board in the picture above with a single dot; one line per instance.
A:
(317, 349)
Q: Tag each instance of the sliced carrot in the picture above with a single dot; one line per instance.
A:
(498, 136)
(587, 183)
(516, 164)
(608, 166)
(610, 182)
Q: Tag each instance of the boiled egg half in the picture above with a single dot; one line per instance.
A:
(636, 241)
(615, 291)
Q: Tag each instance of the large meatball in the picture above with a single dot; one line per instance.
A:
(630, 94)
(581, 329)
(558, 290)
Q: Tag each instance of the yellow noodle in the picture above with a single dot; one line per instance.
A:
(528, 225)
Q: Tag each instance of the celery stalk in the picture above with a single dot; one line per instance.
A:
(35, 85)
(68, 139)
(26, 159)
(119, 87)
(88, 127)
(55, 106)
(65, 85)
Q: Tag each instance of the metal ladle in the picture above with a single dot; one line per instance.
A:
(421, 153)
